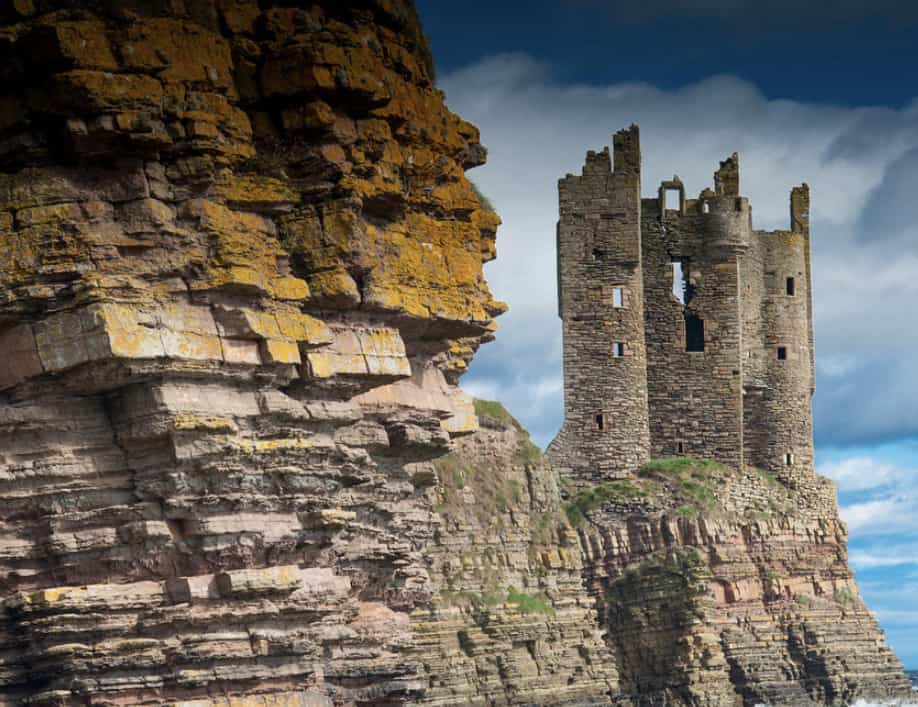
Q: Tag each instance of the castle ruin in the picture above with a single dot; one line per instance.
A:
(686, 331)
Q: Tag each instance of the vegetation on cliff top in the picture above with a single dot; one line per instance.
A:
(482, 199)
(527, 454)
(593, 497)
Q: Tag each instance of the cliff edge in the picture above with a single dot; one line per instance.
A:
(241, 273)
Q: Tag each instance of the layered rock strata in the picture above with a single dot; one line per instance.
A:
(241, 273)
(719, 587)
(510, 622)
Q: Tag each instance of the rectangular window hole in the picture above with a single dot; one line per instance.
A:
(680, 447)
(705, 207)
(618, 297)
(678, 281)
(673, 199)
(791, 287)
(782, 353)
(599, 422)
(694, 332)
(618, 349)
(788, 459)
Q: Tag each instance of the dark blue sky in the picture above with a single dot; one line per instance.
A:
(851, 57)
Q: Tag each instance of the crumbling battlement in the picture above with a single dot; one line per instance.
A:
(686, 331)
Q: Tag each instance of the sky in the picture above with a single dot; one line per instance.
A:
(815, 94)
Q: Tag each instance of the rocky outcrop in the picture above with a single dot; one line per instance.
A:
(241, 273)
(510, 622)
(719, 587)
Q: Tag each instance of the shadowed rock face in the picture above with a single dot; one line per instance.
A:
(241, 272)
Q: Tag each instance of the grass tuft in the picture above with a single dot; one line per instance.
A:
(482, 199)
(588, 499)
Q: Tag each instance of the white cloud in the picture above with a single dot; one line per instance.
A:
(862, 473)
(892, 514)
(858, 162)
(884, 556)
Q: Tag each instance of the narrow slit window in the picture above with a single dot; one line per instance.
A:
(599, 422)
(782, 353)
(618, 349)
(678, 281)
(791, 287)
(694, 333)
(706, 208)
(680, 447)
(673, 200)
(618, 297)
(788, 459)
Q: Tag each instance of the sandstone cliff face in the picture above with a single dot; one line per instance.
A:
(510, 623)
(719, 587)
(240, 274)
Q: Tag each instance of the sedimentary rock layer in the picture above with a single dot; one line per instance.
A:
(510, 622)
(241, 273)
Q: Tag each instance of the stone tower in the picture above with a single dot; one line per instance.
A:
(686, 332)
(601, 305)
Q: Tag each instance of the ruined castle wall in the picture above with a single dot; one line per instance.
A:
(695, 397)
(605, 431)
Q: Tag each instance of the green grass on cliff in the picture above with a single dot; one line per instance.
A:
(494, 410)
(593, 497)
(482, 199)
(694, 482)
(679, 465)
(528, 453)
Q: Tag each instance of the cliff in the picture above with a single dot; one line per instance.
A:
(241, 273)
(241, 276)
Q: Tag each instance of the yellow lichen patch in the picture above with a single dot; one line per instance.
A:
(53, 595)
(276, 351)
(179, 51)
(245, 252)
(253, 191)
(303, 328)
(191, 422)
(83, 44)
(334, 288)
(102, 91)
(131, 333)
(290, 288)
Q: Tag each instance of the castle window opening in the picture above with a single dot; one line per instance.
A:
(788, 459)
(618, 297)
(782, 353)
(678, 281)
(599, 254)
(672, 199)
(599, 422)
(694, 333)
(680, 447)
(705, 207)
(791, 287)
(618, 349)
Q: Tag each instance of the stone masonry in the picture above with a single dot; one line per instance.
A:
(686, 331)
